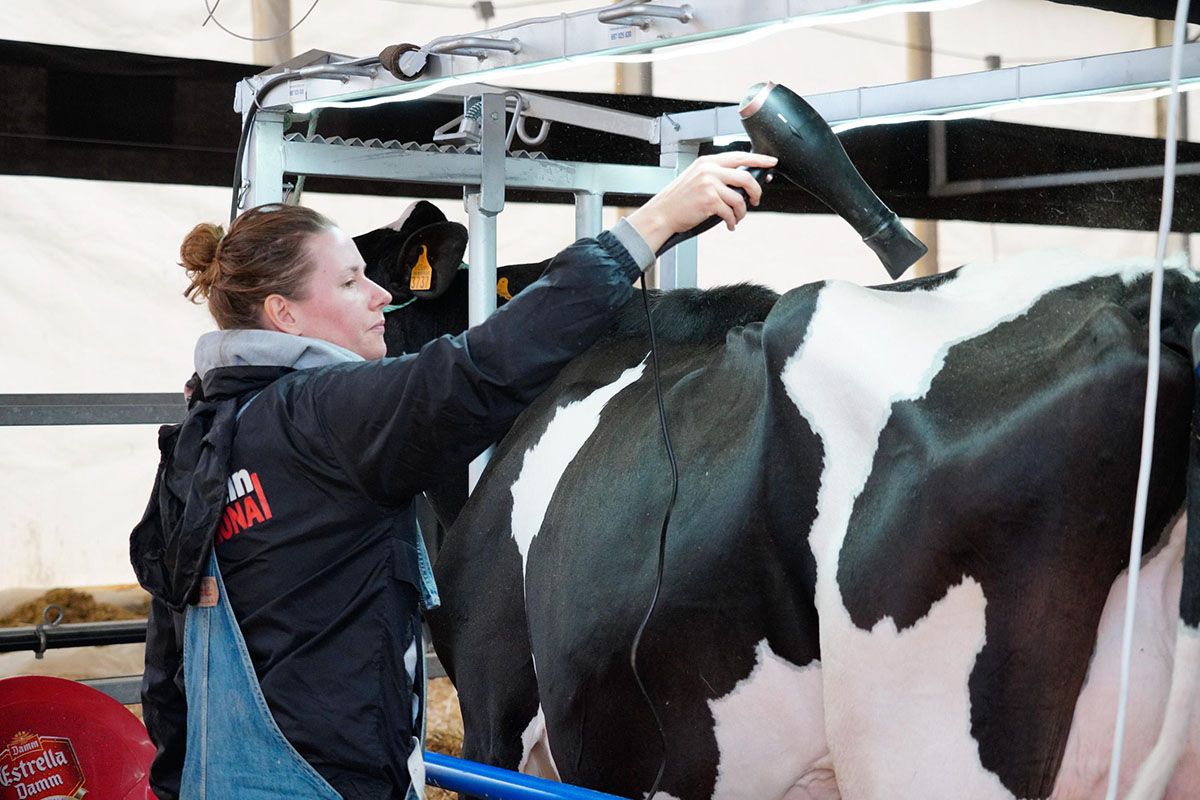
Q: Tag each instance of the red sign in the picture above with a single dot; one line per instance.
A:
(37, 767)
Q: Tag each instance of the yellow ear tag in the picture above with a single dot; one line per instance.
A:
(502, 289)
(421, 277)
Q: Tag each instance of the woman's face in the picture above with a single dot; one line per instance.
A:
(340, 304)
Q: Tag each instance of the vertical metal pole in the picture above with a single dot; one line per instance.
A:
(677, 268)
(264, 162)
(484, 203)
(589, 214)
(481, 256)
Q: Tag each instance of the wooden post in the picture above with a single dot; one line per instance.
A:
(920, 67)
(1164, 32)
(271, 18)
(635, 79)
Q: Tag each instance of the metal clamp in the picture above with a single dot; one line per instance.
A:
(478, 46)
(469, 125)
(639, 14)
(40, 651)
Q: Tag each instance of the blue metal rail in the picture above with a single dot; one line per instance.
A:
(494, 783)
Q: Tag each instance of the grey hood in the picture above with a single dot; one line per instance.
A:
(239, 348)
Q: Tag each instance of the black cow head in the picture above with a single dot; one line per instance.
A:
(418, 258)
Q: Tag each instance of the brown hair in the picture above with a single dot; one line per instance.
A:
(264, 253)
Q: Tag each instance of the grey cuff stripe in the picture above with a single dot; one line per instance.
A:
(632, 241)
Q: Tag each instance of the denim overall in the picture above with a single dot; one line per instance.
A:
(234, 747)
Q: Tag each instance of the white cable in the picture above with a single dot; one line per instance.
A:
(1152, 372)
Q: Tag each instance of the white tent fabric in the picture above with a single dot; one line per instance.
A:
(90, 297)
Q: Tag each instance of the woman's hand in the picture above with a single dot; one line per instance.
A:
(702, 190)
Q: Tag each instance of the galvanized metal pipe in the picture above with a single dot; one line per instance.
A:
(589, 214)
(91, 409)
(481, 287)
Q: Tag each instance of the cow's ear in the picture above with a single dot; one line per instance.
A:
(431, 258)
(512, 279)
(418, 215)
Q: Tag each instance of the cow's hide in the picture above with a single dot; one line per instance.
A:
(902, 520)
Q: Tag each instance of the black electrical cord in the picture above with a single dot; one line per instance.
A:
(662, 545)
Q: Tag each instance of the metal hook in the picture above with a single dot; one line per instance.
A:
(533, 141)
(519, 100)
(47, 622)
(639, 14)
(478, 46)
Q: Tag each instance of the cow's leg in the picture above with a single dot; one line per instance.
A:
(760, 737)
(480, 636)
(728, 659)
(1176, 731)
(1085, 763)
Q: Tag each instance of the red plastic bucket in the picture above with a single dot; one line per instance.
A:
(61, 739)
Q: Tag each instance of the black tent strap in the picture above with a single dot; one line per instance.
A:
(83, 114)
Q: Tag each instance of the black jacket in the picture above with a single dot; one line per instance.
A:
(308, 497)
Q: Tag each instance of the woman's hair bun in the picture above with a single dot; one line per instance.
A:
(198, 256)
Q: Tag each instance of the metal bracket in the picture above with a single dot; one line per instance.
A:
(640, 14)
(468, 122)
(47, 622)
(492, 146)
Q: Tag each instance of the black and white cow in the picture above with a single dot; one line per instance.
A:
(896, 565)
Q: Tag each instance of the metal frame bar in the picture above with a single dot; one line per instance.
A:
(589, 214)
(484, 203)
(125, 689)
(1078, 77)
(580, 36)
(262, 180)
(90, 409)
(466, 169)
(679, 267)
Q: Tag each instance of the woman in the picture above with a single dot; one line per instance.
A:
(294, 668)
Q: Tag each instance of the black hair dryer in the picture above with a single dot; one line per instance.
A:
(780, 123)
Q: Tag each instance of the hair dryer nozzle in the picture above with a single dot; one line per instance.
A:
(780, 123)
(896, 247)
